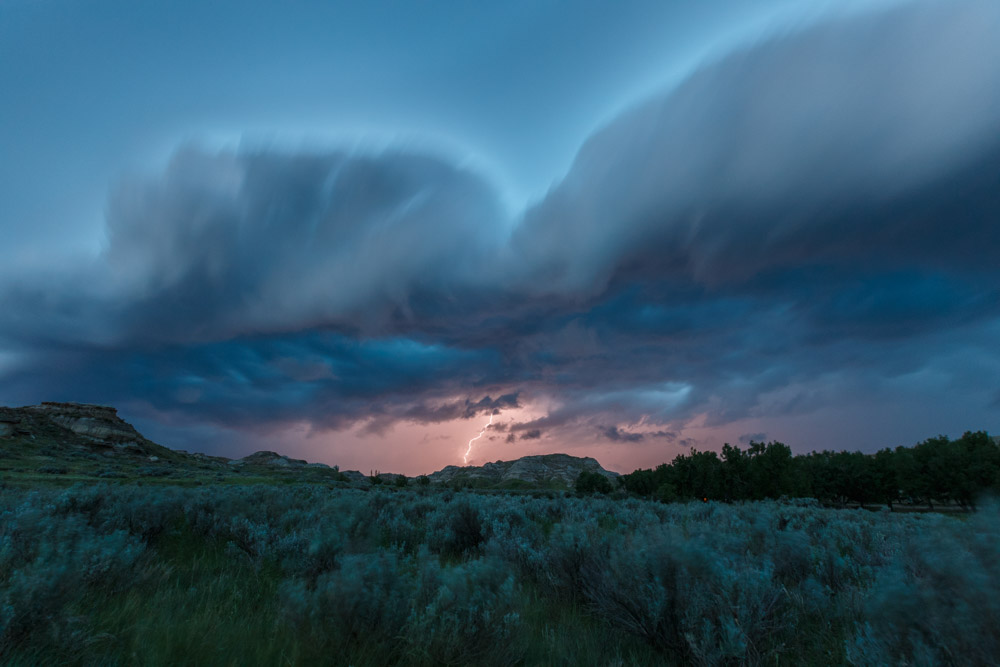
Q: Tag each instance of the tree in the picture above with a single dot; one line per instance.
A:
(770, 470)
(640, 482)
(975, 469)
(928, 471)
(883, 473)
(592, 482)
(936, 470)
(735, 474)
(666, 493)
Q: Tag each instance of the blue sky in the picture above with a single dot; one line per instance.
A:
(356, 230)
(96, 91)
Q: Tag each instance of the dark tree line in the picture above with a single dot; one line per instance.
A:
(938, 470)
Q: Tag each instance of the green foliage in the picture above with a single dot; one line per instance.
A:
(592, 482)
(957, 472)
(401, 482)
(456, 529)
(666, 493)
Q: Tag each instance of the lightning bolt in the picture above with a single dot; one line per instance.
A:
(467, 451)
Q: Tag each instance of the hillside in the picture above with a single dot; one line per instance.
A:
(76, 442)
(75, 439)
(65, 428)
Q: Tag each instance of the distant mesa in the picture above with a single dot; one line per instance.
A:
(543, 469)
(266, 458)
(356, 477)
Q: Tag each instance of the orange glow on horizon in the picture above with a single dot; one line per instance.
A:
(413, 448)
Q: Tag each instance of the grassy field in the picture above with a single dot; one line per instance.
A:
(167, 574)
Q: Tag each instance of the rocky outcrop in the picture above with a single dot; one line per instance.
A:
(533, 470)
(75, 427)
(98, 422)
(72, 422)
(266, 458)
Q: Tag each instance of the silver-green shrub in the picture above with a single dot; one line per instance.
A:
(443, 577)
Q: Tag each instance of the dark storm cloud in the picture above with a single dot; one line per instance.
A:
(464, 409)
(263, 242)
(615, 434)
(533, 434)
(842, 148)
(251, 381)
(795, 224)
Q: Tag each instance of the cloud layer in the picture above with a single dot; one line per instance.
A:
(793, 226)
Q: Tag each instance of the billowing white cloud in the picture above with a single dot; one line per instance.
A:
(778, 154)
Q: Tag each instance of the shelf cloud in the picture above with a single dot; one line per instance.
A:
(796, 223)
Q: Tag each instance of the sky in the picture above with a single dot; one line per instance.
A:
(356, 233)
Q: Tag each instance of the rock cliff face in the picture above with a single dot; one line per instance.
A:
(75, 424)
(97, 422)
(532, 470)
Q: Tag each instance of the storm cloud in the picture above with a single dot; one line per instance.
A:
(803, 220)
(857, 143)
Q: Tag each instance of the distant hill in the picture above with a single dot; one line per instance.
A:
(77, 442)
(547, 470)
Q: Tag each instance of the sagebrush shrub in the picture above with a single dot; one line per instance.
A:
(940, 602)
(456, 530)
(436, 577)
